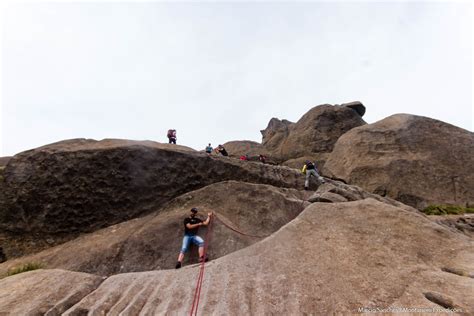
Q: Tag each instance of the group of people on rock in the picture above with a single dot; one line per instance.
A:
(209, 150)
(309, 168)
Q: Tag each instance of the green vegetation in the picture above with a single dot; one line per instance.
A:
(447, 210)
(24, 268)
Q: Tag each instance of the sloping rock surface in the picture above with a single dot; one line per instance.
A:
(44, 292)
(82, 185)
(416, 160)
(463, 223)
(153, 242)
(333, 258)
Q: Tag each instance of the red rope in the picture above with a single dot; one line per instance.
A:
(197, 290)
(235, 230)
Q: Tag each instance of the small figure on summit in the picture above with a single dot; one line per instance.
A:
(220, 149)
(171, 136)
(191, 227)
(209, 149)
(310, 169)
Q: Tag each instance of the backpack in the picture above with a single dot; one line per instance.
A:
(171, 133)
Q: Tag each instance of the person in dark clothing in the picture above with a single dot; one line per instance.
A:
(3, 257)
(262, 158)
(220, 149)
(191, 227)
(310, 169)
(171, 136)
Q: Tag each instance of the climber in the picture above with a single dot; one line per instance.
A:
(310, 169)
(191, 227)
(220, 149)
(209, 149)
(262, 158)
(171, 136)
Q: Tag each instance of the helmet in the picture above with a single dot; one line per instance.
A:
(194, 210)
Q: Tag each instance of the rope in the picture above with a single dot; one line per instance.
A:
(197, 290)
(207, 241)
(235, 230)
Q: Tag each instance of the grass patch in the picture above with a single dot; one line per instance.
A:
(30, 266)
(447, 210)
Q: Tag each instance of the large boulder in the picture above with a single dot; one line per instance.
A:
(82, 185)
(416, 160)
(313, 135)
(152, 242)
(334, 258)
(238, 148)
(275, 133)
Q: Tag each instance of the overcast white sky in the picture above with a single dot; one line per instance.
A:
(219, 72)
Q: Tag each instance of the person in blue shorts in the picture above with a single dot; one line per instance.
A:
(191, 227)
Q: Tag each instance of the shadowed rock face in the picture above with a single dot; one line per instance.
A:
(416, 160)
(334, 258)
(82, 185)
(153, 242)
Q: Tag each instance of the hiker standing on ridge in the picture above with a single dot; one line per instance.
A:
(310, 169)
(209, 149)
(171, 136)
(191, 227)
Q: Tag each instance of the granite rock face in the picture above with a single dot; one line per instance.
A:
(333, 258)
(44, 292)
(416, 160)
(314, 135)
(82, 185)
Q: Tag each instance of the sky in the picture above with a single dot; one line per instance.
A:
(218, 72)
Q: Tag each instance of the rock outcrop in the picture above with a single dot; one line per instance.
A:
(416, 160)
(314, 134)
(44, 292)
(312, 137)
(242, 147)
(333, 258)
(153, 242)
(82, 185)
